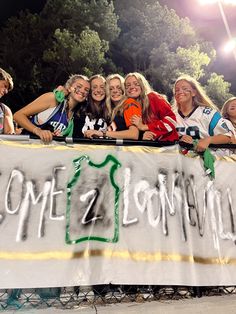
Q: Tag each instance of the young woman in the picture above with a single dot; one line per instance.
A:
(6, 120)
(115, 90)
(157, 120)
(46, 117)
(228, 111)
(96, 114)
(197, 117)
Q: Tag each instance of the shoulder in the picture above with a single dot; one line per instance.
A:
(50, 96)
(130, 102)
(44, 101)
(7, 111)
(156, 97)
(208, 112)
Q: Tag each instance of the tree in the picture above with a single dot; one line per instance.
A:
(22, 43)
(157, 42)
(68, 36)
(218, 89)
(73, 54)
(166, 66)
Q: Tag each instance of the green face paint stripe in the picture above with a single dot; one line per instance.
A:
(77, 164)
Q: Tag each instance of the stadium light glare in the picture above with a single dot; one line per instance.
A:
(227, 2)
(230, 46)
(224, 18)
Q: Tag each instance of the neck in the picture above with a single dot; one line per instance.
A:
(71, 104)
(233, 121)
(186, 108)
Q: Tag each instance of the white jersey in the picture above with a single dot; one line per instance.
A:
(203, 122)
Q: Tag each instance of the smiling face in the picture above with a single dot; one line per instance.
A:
(132, 87)
(4, 87)
(98, 89)
(231, 110)
(116, 91)
(79, 90)
(184, 92)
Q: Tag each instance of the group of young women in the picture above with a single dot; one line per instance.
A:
(128, 108)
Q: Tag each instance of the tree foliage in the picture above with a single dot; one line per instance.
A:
(105, 36)
(218, 89)
(68, 36)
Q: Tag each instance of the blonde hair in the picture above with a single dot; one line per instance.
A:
(108, 93)
(201, 98)
(143, 98)
(226, 106)
(4, 76)
(73, 78)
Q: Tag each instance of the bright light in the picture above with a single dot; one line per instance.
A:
(230, 46)
(232, 2)
(202, 2)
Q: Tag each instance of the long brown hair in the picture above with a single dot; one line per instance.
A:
(226, 106)
(200, 99)
(94, 110)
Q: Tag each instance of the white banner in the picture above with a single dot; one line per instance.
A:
(89, 214)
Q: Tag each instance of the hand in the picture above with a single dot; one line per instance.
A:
(187, 139)
(136, 120)
(203, 144)
(149, 136)
(57, 133)
(61, 88)
(45, 135)
(93, 134)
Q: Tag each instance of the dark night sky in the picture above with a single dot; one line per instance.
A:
(11, 7)
(206, 19)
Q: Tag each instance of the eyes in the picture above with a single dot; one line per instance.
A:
(78, 87)
(112, 88)
(135, 84)
(182, 90)
(95, 87)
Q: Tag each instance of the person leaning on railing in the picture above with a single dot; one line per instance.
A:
(6, 120)
(50, 115)
(228, 111)
(197, 117)
(157, 121)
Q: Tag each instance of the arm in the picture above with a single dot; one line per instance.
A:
(164, 121)
(219, 130)
(203, 143)
(131, 133)
(40, 104)
(8, 121)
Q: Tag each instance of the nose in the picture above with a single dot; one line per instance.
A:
(5, 90)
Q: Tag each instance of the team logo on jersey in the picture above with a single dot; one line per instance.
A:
(225, 126)
(207, 110)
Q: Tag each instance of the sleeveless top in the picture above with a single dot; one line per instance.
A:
(52, 119)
